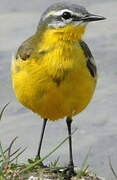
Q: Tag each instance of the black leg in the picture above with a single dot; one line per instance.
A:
(41, 139)
(71, 164)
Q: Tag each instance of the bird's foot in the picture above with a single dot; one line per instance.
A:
(41, 165)
(39, 162)
(69, 172)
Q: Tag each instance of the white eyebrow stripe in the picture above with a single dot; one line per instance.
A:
(59, 13)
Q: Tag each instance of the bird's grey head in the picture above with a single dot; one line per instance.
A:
(61, 14)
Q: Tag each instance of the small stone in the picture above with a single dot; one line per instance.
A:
(33, 178)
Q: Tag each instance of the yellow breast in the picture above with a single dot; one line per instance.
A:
(55, 83)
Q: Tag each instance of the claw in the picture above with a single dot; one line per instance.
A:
(42, 165)
(69, 173)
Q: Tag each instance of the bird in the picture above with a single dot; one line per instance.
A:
(53, 71)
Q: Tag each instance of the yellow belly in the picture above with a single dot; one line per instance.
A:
(35, 88)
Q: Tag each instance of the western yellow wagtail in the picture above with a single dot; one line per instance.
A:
(54, 73)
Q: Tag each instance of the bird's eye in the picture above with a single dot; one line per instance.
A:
(66, 15)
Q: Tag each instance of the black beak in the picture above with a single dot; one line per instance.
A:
(92, 17)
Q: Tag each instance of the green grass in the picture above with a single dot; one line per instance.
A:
(9, 165)
(112, 169)
(11, 169)
(84, 167)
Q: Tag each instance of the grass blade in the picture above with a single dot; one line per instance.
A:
(2, 153)
(10, 146)
(112, 169)
(15, 152)
(84, 164)
(1, 113)
(84, 167)
(45, 157)
(18, 155)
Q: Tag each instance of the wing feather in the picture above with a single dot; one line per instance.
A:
(89, 59)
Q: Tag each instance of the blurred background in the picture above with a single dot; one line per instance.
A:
(97, 124)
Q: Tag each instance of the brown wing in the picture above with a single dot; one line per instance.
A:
(26, 49)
